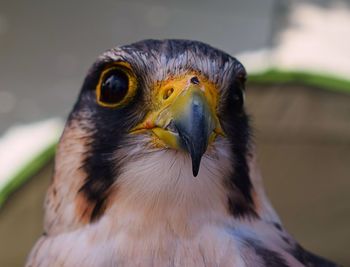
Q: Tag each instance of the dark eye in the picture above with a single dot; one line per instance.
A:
(114, 87)
(238, 100)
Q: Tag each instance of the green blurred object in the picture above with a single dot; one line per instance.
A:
(21, 218)
(28, 171)
(318, 80)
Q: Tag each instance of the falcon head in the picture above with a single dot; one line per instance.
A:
(166, 111)
(150, 117)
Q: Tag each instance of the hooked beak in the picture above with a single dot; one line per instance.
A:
(187, 119)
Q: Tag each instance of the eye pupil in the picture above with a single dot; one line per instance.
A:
(114, 87)
(238, 98)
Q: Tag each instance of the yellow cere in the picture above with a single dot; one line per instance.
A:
(169, 101)
(132, 86)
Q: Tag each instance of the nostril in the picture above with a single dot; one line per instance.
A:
(168, 93)
(194, 80)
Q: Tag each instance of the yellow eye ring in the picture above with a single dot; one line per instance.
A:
(116, 86)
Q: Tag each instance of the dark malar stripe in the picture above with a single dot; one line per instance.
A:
(240, 199)
(309, 259)
(95, 192)
(269, 258)
(99, 165)
(235, 123)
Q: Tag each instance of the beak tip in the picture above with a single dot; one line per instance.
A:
(195, 167)
(195, 172)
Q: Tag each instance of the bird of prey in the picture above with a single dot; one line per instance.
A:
(156, 167)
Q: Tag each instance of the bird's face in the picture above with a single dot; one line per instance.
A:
(173, 95)
(183, 115)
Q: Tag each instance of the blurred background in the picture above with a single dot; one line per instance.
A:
(296, 52)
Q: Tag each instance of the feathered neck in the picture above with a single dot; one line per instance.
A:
(153, 185)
